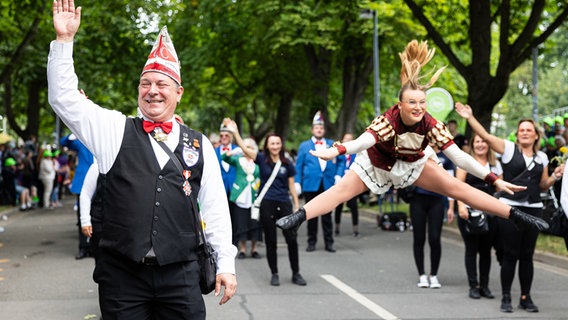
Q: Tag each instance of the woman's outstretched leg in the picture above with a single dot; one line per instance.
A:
(348, 187)
(436, 179)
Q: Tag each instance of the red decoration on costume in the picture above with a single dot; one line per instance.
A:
(163, 57)
(491, 178)
(149, 126)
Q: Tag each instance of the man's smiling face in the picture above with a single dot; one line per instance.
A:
(158, 96)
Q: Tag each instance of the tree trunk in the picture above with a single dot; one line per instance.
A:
(483, 97)
(34, 106)
(283, 115)
(319, 63)
(357, 69)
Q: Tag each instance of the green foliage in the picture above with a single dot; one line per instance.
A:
(248, 59)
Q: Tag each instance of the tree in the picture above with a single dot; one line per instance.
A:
(521, 27)
(109, 56)
(19, 77)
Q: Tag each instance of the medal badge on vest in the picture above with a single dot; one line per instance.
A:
(190, 153)
(190, 157)
(160, 135)
(186, 186)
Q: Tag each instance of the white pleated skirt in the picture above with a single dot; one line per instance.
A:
(403, 173)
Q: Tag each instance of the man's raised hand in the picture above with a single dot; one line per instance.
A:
(66, 19)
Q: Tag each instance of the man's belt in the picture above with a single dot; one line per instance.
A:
(149, 261)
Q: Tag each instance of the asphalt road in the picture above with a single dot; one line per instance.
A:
(370, 277)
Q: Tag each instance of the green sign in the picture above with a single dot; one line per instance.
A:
(439, 103)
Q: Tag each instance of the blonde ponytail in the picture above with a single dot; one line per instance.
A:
(414, 57)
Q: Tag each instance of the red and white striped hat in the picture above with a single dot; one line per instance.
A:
(163, 57)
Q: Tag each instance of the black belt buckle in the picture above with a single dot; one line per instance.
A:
(150, 261)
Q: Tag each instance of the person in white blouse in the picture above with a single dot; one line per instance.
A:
(149, 226)
(85, 199)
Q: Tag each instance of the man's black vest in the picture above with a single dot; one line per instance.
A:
(147, 207)
(530, 178)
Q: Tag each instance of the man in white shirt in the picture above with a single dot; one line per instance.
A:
(148, 246)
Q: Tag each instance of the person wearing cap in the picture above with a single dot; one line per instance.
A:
(155, 172)
(548, 126)
(10, 174)
(9, 181)
(314, 176)
(228, 172)
(46, 176)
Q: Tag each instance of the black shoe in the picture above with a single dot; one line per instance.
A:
(255, 255)
(311, 248)
(275, 280)
(336, 233)
(241, 255)
(292, 221)
(506, 305)
(474, 293)
(82, 254)
(297, 279)
(355, 234)
(527, 304)
(521, 219)
(330, 248)
(485, 292)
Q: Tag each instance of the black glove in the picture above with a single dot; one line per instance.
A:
(520, 218)
(292, 221)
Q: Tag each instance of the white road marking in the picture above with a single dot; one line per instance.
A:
(364, 301)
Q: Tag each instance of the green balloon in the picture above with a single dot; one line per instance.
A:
(439, 103)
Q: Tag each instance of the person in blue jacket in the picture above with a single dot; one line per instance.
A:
(84, 161)
(314, 176)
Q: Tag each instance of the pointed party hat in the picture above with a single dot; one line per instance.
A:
(318, 119)
(163, 57)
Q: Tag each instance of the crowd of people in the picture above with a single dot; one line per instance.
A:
(35, 175)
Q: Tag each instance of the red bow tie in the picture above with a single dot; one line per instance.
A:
(226, 149)
(149, 126)
(319, 142)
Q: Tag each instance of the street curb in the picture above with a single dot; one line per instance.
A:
(14, 211)
(5, 215)
(454, 234)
